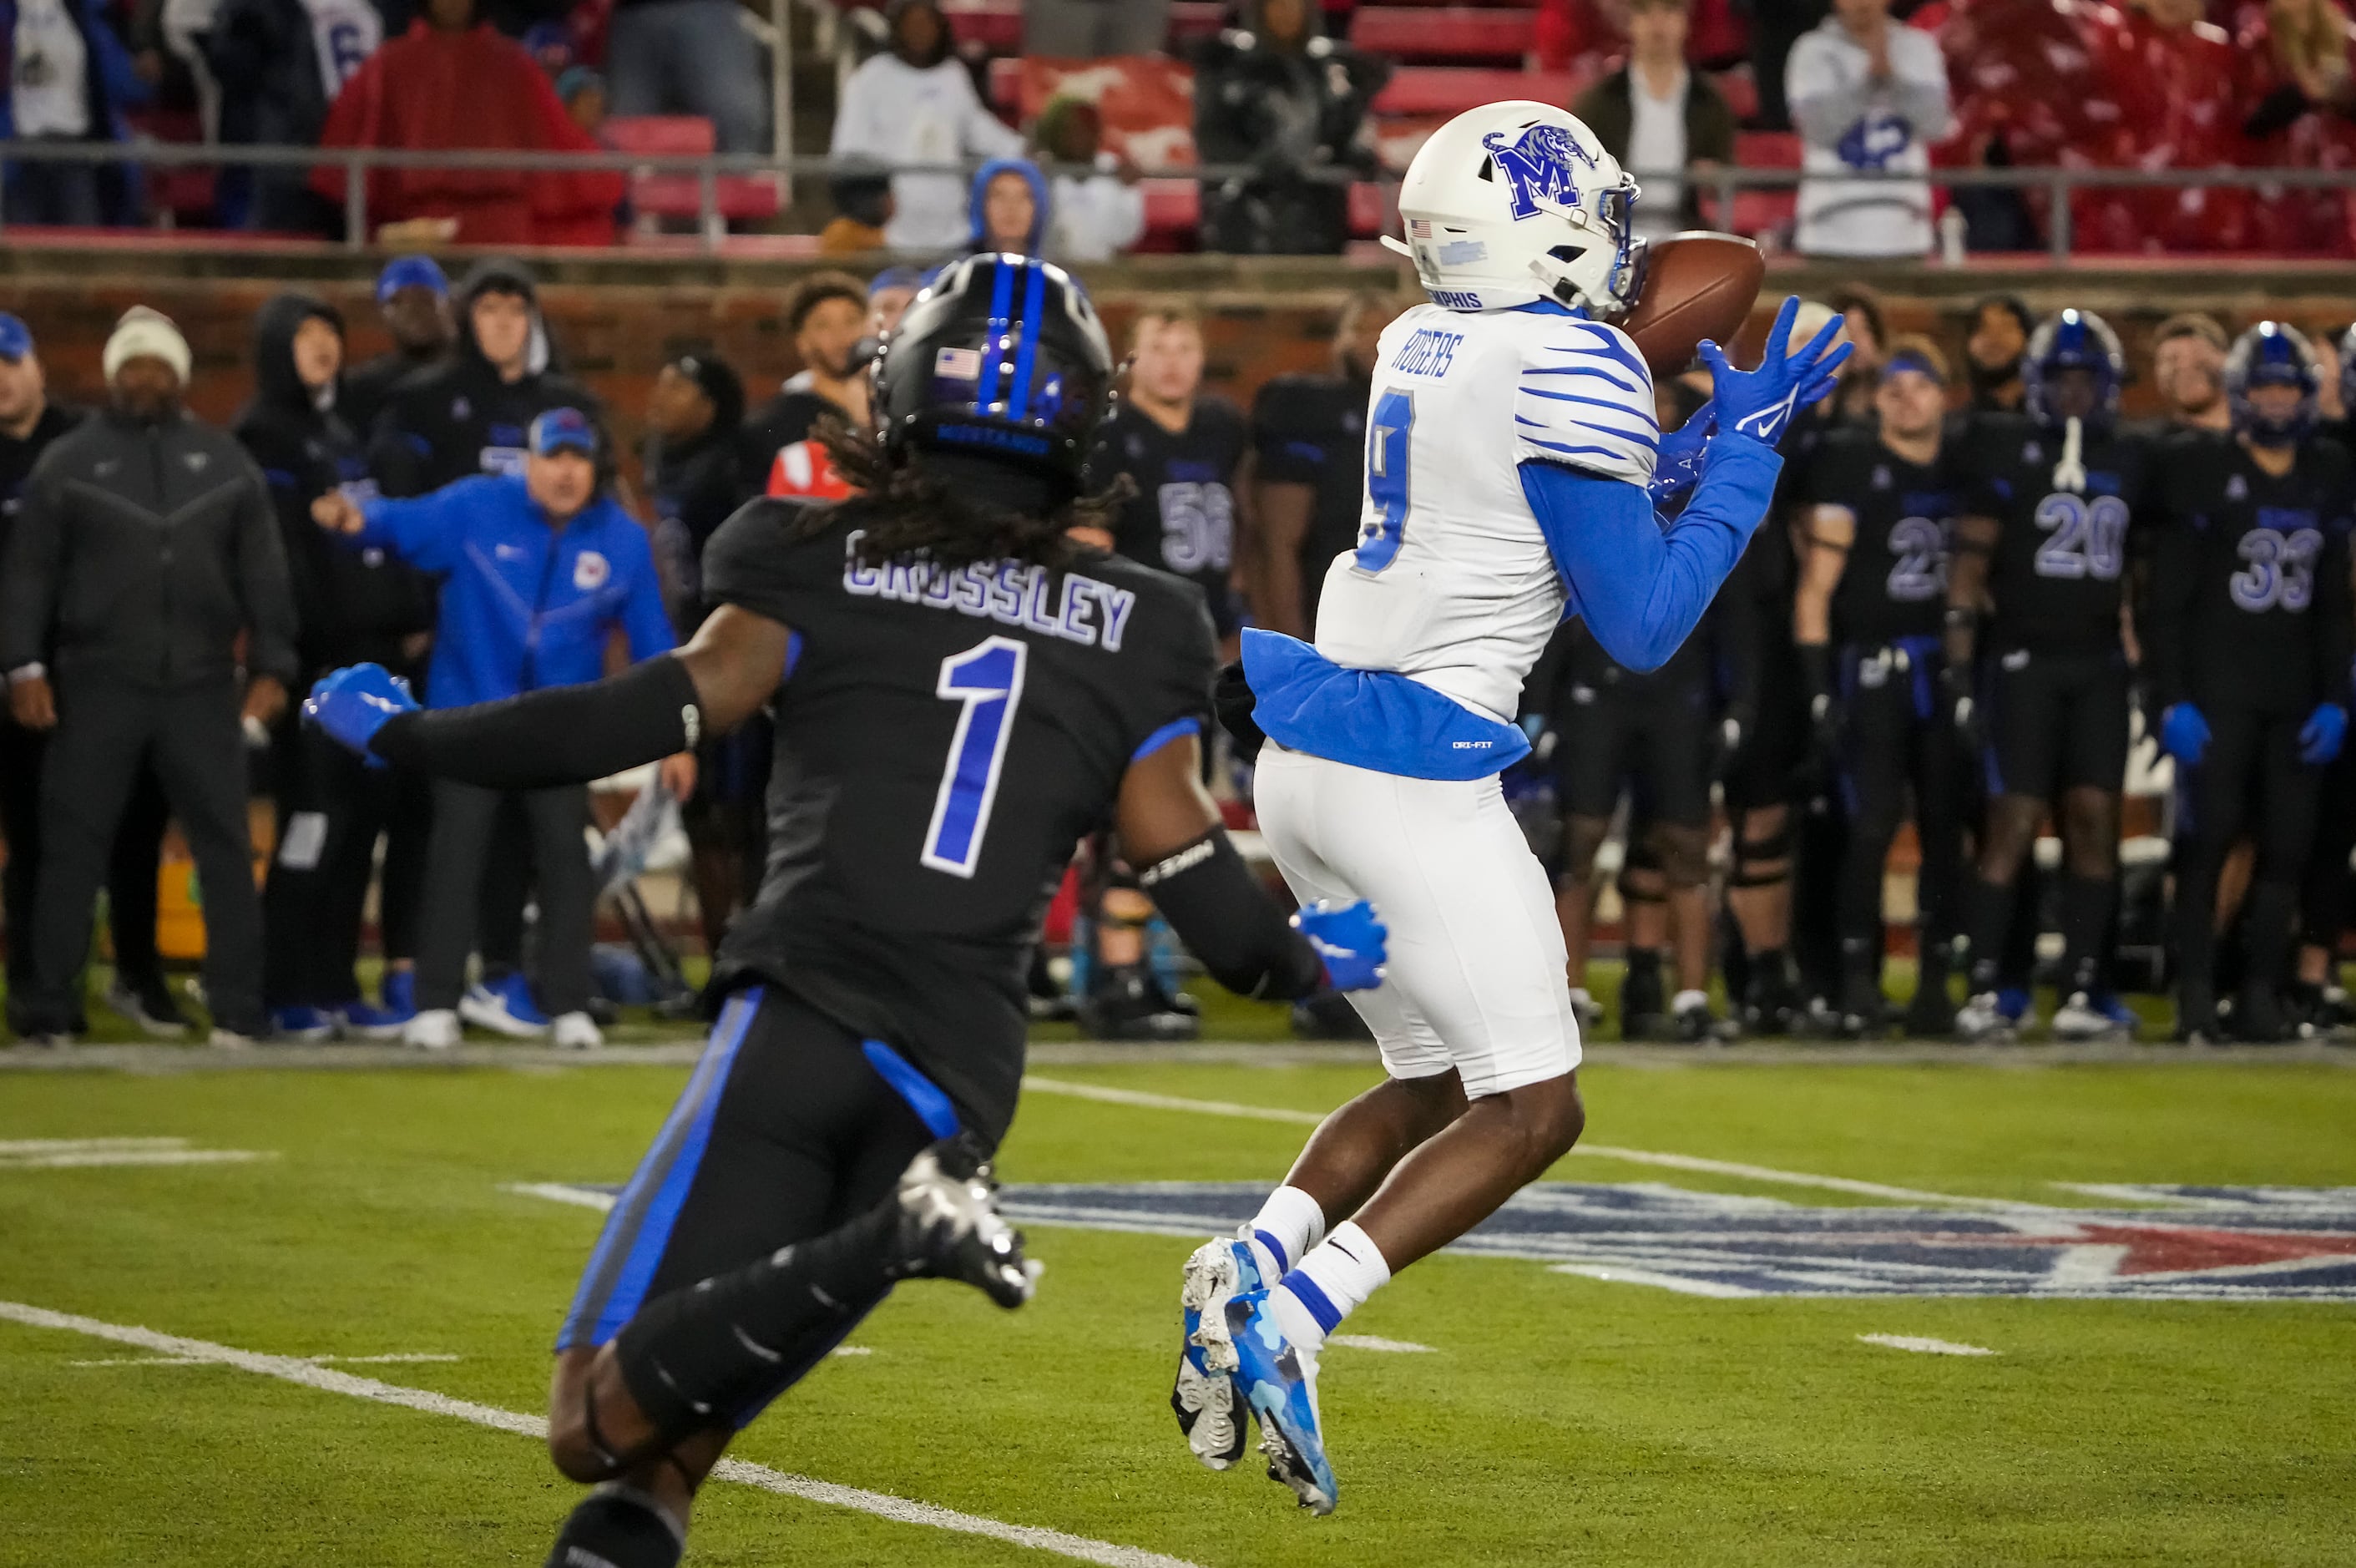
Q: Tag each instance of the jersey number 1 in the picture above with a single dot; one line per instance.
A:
(987, 678)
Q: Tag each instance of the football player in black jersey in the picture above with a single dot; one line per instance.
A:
(2248, 643)
(2322, 1004)
(1869, 622)
(961, 693)
(2041, 550)
(1179, 447)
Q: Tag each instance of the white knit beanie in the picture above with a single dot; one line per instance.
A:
(145, 332)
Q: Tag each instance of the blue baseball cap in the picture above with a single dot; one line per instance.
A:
(410, 272)
(562, 430)
(16, 339)
(895, 277)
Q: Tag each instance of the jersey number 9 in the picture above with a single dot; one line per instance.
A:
(1388, 434)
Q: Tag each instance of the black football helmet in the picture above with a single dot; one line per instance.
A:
(1002, 357)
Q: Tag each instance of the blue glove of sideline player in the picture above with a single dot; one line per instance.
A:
(1350, 938)
(1760, 402)
(354, 703)
(2184, 734)
(2320, 736)
(1678, 468)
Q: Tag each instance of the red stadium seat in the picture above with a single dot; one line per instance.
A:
(995, 24)
(1769, 210)
(675, 195)
(1450, 32)
(1173, 212)
(1450, 90)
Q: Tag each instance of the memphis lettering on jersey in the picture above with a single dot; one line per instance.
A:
(1092, 614)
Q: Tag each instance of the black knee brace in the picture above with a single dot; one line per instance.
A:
(1762, 862)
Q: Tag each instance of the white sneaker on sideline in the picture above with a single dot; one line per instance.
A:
(505, 1009)
(436, 1029)
(576, 1032)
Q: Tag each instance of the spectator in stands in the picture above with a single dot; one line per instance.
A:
(2178, 82)
(70, 80)
(582, 94)
(689, 56)
(452, 83)
(2187, 371)
(1094, 30)
(145, 640)
(539, 571)
(826, 316)
(1659, 119)
(889, 295)
(2302, 114)
(863, 208)
(914, 103)
(350, 607)
(1998, 336)
(1277, 95)
(1096, 215)
(279, 64)
(1866, 93)
(1007, 210)
(413, 298)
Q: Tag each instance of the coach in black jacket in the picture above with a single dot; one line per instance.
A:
(147, 543)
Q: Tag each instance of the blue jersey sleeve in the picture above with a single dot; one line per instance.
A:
(1642, 588)
(422, 530)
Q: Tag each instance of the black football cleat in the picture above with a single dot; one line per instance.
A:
(949, 1227)
(1126, 1001)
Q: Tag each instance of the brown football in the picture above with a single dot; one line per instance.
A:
(1697, 284)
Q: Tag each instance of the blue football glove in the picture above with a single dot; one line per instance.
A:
(1350, 938)
(1760, 402)
(2184, 734)
(352, 703)
(1677, 468)
(2320, 737)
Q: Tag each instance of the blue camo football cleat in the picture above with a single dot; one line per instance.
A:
(1209, 1405)
(1280, 1383)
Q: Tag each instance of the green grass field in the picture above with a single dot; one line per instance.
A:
(1555, 1419)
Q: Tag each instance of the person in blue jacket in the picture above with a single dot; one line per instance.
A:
(538, 570)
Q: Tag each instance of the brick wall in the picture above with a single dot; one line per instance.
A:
(618, 320)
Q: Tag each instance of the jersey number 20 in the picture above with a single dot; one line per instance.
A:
(2089, 537)
(987, 678)
(1379, 536)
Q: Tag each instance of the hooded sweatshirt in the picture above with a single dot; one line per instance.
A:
(977, 204)
(895, 111)
(429, 89)
(459, 417)
(351, 605)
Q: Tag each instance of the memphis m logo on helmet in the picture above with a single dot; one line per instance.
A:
(1540, 169)
(1515, 203)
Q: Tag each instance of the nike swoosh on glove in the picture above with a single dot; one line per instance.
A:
(354, 703)
(1759, 404)
(1350, 939)
(2319, 739)
(2184, 734)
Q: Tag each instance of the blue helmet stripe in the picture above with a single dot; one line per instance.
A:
(1034, 295)
(1001, 300)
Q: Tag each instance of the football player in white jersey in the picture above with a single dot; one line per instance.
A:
(1511, 466)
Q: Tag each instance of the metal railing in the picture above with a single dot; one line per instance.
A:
(354, 163)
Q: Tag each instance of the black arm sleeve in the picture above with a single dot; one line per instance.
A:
(566, 734)
(1229, 922)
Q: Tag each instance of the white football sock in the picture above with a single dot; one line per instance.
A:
(1685, 999)
(1330, 1283)
(1287, 1225)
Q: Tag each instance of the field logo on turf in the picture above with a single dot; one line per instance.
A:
(2184, 1243)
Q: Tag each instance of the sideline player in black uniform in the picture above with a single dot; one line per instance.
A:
(2047, 528)
(2248, 643)
(962, 692)
(1869, 621)
(2321, 1004)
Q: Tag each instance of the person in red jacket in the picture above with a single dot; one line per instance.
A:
(2299, 100)
(2178, 80)
(452, 82)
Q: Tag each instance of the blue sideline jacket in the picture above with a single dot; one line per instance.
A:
(524, 607)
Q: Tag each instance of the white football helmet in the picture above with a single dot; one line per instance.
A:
(1515, 202)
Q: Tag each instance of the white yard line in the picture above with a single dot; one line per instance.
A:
(559, 1192)
(1921, 1346)
(66, 1145)
(310, 1375)
(1764, 1173)
(403, 1359)
(1375, 1342)
(76, 1159)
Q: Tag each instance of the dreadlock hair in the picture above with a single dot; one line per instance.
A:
(904, 511)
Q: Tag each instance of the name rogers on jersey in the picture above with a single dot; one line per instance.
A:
(1088, 612)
